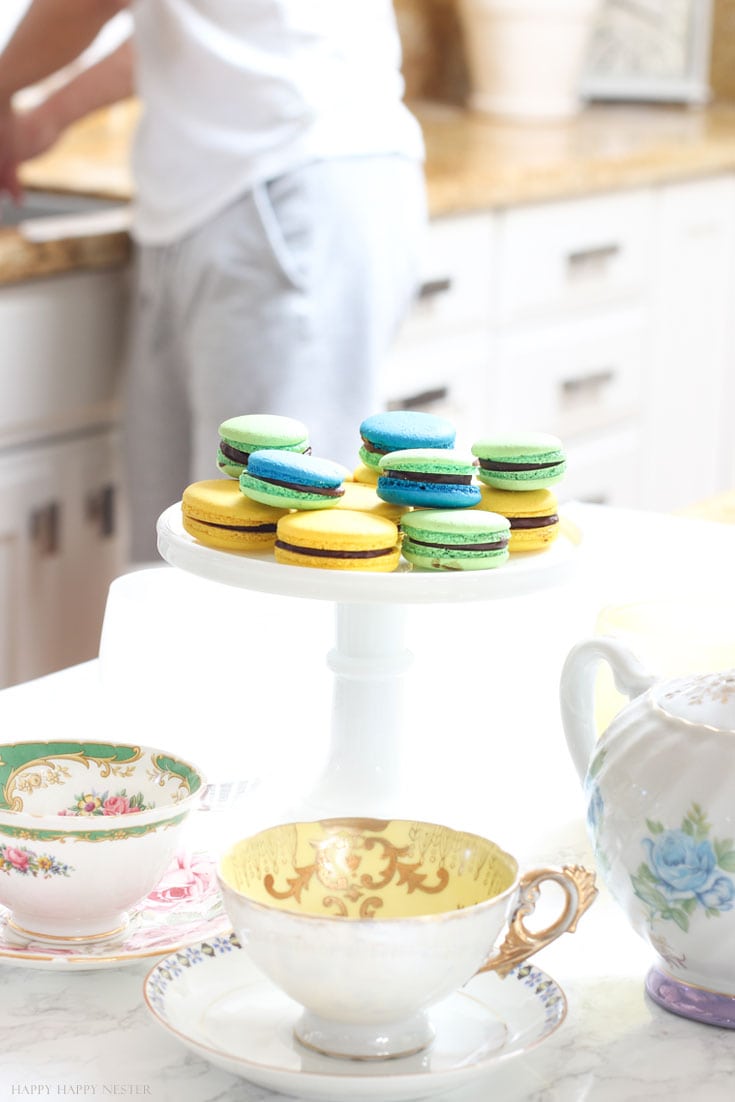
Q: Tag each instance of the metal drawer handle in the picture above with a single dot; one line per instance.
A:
(594, 258)
(422, 400)
(433, 287)
(100, 510)
(45, 529)
(587, 383)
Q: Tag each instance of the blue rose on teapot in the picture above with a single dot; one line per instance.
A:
(660, 789)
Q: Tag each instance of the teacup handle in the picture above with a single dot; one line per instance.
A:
(578, 885)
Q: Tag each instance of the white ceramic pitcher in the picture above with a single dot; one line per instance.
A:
(660, 786)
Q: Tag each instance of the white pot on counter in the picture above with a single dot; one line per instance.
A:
(525, 57)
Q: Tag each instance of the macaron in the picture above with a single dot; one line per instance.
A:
(338, 539)
(362, 498)
(366, 475)
(445, 539)
(520, 461)
(289, 480)
(398, 429)
(429, 478)
(241, 436)
(217, 514)
(533, 516)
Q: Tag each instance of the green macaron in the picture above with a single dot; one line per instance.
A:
(520, 461)
(455, 539)
(239, 437)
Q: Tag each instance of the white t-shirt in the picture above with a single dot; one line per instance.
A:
(240, 91)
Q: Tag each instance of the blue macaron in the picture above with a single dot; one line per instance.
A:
(398, 429)
(289, 480)
(428, 478)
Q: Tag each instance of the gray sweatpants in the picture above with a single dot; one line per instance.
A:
(286, 303)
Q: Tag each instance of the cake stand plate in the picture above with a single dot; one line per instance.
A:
(369, 660)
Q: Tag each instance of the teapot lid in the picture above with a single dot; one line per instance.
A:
(704, 699)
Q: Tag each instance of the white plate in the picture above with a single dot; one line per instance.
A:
(521, 573)
(215, 1001)
(184, 908)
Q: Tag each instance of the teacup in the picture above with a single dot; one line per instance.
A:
(368, 923)
(86, 830)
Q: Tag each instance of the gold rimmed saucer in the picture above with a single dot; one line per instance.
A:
(184, 908)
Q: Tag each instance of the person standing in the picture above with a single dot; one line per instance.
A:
(278, 216)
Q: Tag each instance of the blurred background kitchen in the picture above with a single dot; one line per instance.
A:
(579, 278)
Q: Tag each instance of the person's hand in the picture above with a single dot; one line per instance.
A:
(23, 135)
(9, 183)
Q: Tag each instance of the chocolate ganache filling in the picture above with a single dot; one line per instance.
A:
(325, 491)
(328, 553)
(498, 545)
(233, 453)
(533, 522)
(499, 465)
(236, 527)
(427, 476)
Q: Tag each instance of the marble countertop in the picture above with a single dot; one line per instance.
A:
(473, 163)
(504, 772)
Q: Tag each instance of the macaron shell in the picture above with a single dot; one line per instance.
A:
(345, 532)
(539, 448)
(399, 484)
(292, 481)
(367, 475)
(214, 512)
(453, 536)
(253, 431)
(524, 506)
(362, 498)
(397, 429)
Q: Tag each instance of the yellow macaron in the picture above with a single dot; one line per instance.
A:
(533, 516)
(219, 515)
(338, 539)
(368, 476)
(362, 498)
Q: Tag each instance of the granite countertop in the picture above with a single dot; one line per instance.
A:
(473, 163)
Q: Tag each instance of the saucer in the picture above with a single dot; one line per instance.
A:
(184, 907)
(214, 1000)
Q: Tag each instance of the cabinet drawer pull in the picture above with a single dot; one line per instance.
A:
(593, 259)
(100, 510)
(45, 529)
(433, 287)
(589, 384)
(423, 400)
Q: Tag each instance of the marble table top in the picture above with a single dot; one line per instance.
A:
(504, 772)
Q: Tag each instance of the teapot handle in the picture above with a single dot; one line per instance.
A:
(578, 691)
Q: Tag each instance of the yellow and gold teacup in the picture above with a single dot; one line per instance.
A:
(368, 923)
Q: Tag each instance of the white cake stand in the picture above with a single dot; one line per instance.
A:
(369, 659)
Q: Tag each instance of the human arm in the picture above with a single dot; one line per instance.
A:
(54, 33)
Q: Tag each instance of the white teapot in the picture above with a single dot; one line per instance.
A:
(660, 786)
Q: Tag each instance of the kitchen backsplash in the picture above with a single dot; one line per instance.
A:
(434, 65)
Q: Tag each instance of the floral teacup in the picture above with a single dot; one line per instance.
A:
(86, 830)
(368, 923)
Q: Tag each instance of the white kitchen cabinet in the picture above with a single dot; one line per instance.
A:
(60, 539)
(604, 319)
(689, 404)
(59, 550)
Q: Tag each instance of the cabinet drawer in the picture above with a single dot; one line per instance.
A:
(566, 255)
(448, 378)
(604, 470)
(62, 350)
(455, 276)
(570, 379)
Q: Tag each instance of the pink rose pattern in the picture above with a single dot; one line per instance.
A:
(15, 859)
(96, 803)
(189, 879)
